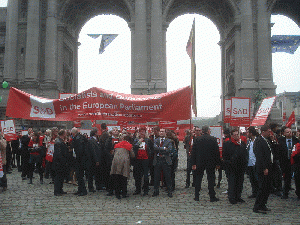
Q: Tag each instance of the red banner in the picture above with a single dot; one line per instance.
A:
(263, 111)
(227, 110)
(100, 104)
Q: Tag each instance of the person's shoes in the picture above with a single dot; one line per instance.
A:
(170, 195)
(92, 190)
(76, 193)
(125, 196)
(14, 166)
(151, 183)
(57, 194)
(51, 182)
(30, 181)
(284, 196)
(187, 186)
(24, 178)
(277, 193)
(19, 170)
(136, 193)
(110, 193)
(218, 185)
(145, 194)
(100, 188)
(259, 211)
(214, 199)
(46, 177)
(252, 196)
(196, 198)
(240, 200)
(41, 181)
(155, 193)
(8, 172)
(118, 196)
(4, 189)
(82, 194)
(265, 209)
(193, 185)
(232, 201)
(63, 192)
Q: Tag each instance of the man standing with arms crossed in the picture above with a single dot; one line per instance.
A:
(205, 156)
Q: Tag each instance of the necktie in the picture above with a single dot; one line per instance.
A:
(289, 148)
(161, 142)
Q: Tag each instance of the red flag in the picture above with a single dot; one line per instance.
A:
(190, 49)
(291, 120)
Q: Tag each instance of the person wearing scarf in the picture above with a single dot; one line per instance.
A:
(235, 158)
(36, 156)
(143, 149)
(120, 167)
(295, 160)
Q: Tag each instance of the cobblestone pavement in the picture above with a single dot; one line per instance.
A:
(35, 204)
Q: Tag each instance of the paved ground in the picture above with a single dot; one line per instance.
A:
(35, 204)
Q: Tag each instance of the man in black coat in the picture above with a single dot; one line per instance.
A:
(264, 163)
(25, 155)
(162, 161)
(285, 146)
(143, 148)
(59, 164)
(235, 159)
(79, 144)
(205, 156)
(93, 163)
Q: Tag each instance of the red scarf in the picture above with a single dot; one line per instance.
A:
(234, 141)
(124, 144)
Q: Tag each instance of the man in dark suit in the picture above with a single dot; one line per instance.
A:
(59, 164)
(285, 145)
(105, 157)
(264, 163)
(235, 157)
(162, 161)
(79, 144)
(143, 148)
(25, 155)
(205, 156)
(93, 162)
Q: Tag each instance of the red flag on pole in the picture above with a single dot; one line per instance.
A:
(291, 120)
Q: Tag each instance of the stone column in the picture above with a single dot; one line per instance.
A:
(51, 45)
(157, 46)
(264, 47)
(247, 48)
(139, 47)
(10, 60)
(32, 44)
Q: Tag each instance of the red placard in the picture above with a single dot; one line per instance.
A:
(227, 110)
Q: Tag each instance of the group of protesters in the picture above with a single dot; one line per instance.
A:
(104, 159)
(270, 157)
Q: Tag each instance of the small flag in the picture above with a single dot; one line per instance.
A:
(106, 40)
(291, 120)
(285, 43)
(190, 49)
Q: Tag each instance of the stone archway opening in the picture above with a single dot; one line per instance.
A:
(208, 61)
(110, 70)
(286, 67)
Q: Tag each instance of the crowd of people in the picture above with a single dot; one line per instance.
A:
(270, 158)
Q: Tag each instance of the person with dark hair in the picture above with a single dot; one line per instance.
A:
(285, 146)
(143, 149)
(153, 136)
(263, 165)
(172, 135)
(104, 167)
(59, 164)
(205, 156)
(235, 159)
(79, 144)
(252, 134)
(37, 153)
(108, 152)
(162, 161)
(25, 154)
(94, 156)
(120, 167)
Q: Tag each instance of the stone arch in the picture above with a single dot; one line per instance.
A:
(76, 13)
(290, 9)
(222, 13)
